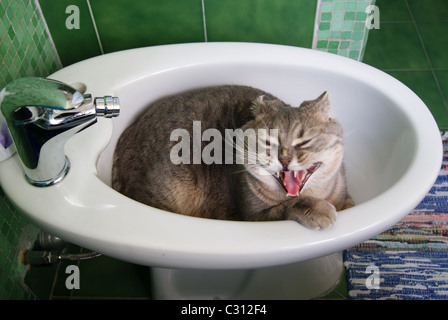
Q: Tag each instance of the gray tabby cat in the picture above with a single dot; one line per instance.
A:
(303, 180)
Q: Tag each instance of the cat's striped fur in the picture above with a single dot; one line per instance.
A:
(309, 146)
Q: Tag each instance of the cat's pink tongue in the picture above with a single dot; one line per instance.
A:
(292, 180)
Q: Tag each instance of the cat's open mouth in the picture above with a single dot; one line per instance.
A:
(294, 181)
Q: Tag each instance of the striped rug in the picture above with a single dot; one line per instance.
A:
(410, 260)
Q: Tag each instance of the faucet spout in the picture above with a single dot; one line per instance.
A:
(42, 115)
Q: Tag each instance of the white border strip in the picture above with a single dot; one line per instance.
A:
(94, 26)
(204, 21)
(316, 25)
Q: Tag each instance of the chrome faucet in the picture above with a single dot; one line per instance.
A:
(41, 115)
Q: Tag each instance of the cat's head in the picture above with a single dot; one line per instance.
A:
(304, 149)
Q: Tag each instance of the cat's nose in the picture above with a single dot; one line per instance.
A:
(285, 162)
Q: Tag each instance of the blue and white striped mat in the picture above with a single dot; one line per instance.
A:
(410, 260)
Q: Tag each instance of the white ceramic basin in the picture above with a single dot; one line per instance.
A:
(393, 155)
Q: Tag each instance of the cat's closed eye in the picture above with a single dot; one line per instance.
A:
(302, 143)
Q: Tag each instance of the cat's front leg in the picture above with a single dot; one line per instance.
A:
(312, 213)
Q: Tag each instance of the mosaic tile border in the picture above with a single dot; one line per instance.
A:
(26, 49)
(341, 27)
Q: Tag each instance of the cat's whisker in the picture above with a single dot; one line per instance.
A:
(349, 133)
(204, 190)
(251, 155)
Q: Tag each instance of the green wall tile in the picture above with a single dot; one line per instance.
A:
(25, 50)
(349, 16)
(354, 54)
(22, 34)
(442, 78)
(326, 16)
(100, 278)
(356, 45)
(359, 26)
(40, 280)
(346, 35)
(287, 22)
(339, 7)
(348, 23)
(385, 52)
(335, 35)
(338, 15)
(361, 16)
(424, 85)
(435, 40)
(357, 36)
(351, 6)
(321, 44)
(11, 224)
(343, 52)
(324, 26)
(333, 44)
(124, 24)
(323, 35)
(344, 45)
(327, 6)
(436, 10)
(73, 45)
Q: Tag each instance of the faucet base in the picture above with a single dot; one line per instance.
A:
(50, 182)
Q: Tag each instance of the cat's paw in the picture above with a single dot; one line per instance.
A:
(316, 214)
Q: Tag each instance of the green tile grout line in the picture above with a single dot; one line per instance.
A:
(340, 27)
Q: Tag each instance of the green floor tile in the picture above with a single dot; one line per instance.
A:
(108, 278)
(395, 46)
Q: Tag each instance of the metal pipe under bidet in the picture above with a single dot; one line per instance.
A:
(42, 115)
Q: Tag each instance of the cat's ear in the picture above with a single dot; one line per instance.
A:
(264, 105)
(321, 103)
(320, 106)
